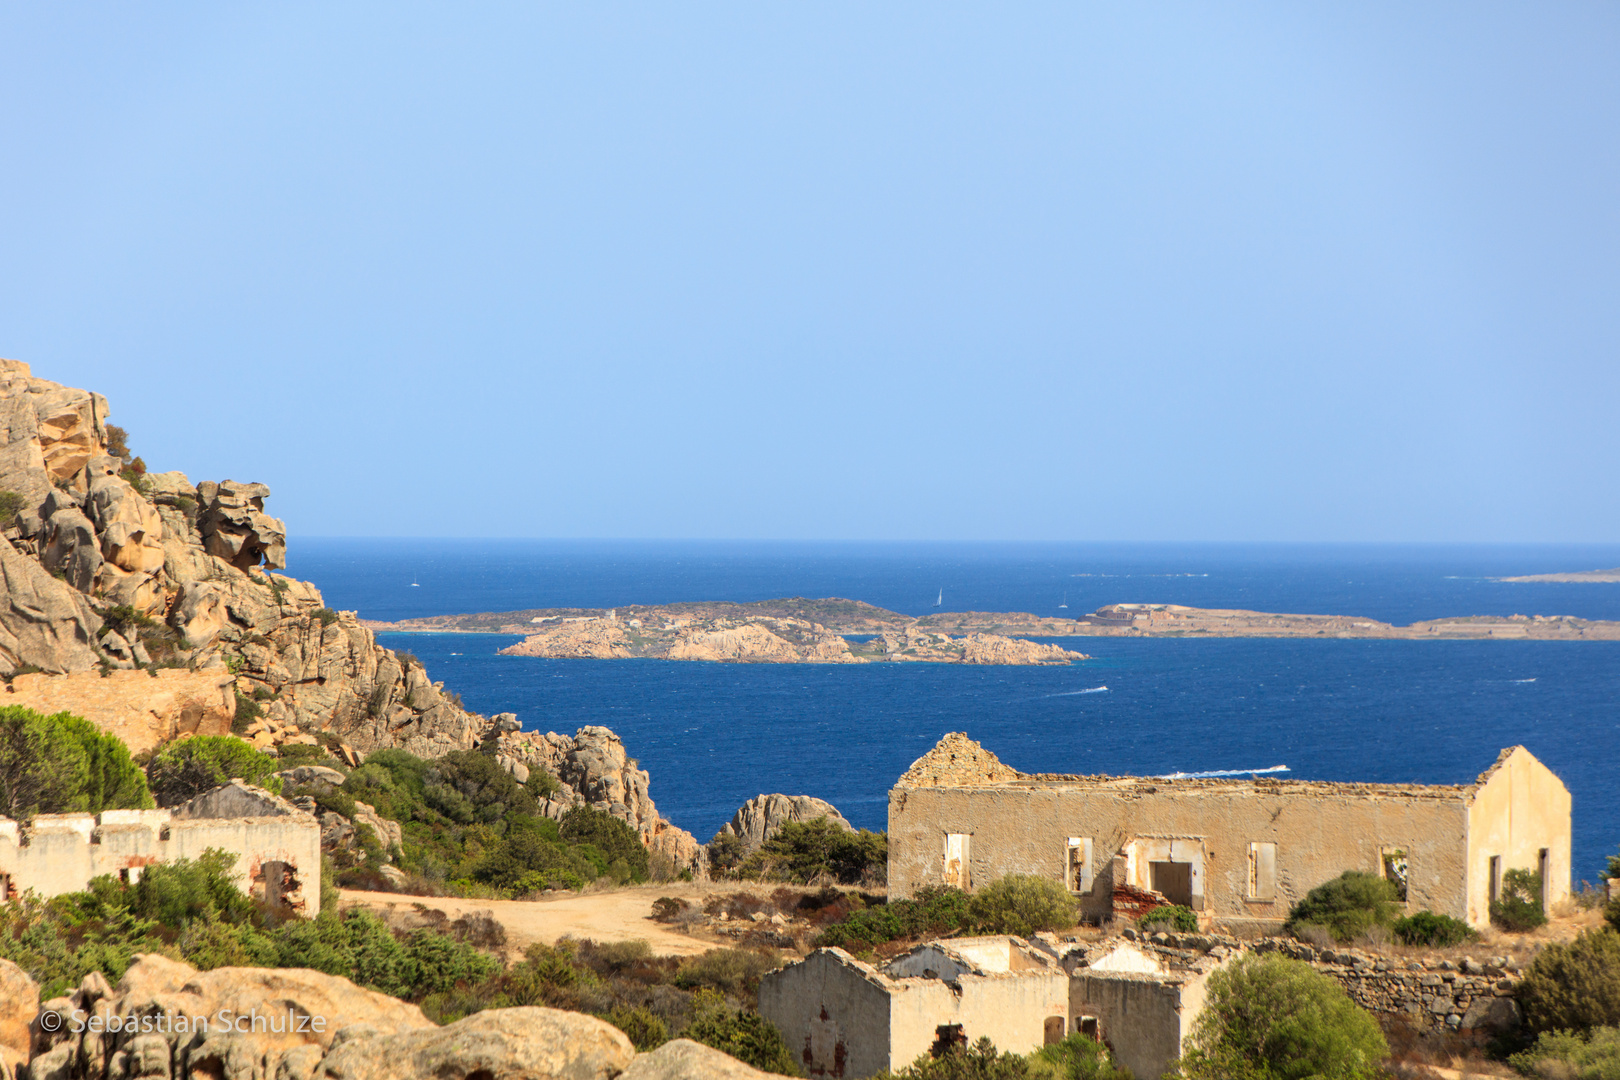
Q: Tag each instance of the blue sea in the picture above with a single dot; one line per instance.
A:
(714, 735)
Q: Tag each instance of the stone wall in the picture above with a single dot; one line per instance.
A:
(1428, 995)
(142, 708)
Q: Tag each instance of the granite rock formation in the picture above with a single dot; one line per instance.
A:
(106, 568)
(593, 769)
(146, 1030)
(763, 816)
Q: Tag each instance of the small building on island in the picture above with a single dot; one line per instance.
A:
(1239, 852)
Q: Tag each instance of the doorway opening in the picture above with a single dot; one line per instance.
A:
(1172, 880)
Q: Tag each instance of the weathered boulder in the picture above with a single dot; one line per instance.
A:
(19, 1003)
(235, 528)
(512, 1044)
(311, 774)
(683, 1059)
(43, 622)
(235, 800)
(71, 548)
(130, 527)
(763, 816)
(141, 710)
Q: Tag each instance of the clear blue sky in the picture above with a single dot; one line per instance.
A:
(931, 271)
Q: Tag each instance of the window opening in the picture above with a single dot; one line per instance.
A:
(1054, 1030)
(1262, 871)
(1088, 1026)
(947, 1036)
(956, 860)
(1396, 870)
(1079, 876)
(1496, 878)
(1172, 880)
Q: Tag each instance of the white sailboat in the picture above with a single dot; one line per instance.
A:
(941, 599)
(1064, 606)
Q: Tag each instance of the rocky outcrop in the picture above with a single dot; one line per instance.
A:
(512, 1044)
(319, 1026)
(234, 800)
(141, 710)
(763, 816)
(576, 639)
(19, 1004)
(593, 769)
(104, 568)
(763, 640)
(683, 1059)
(995, 649)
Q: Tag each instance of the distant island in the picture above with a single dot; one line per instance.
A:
(811, 630)
(1574, 578)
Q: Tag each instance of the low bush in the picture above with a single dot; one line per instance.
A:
(1022, 904)
(746, 1036)
(1574, 986)
(1078, 1057)
(1434, 931)
(1348, 906)
(1169, 917)
(1611, 913)
(1519, 908)
(981, 1061)
(11, 504)
(185, 769)
(934, 911)
(733, 972)
(1279, 1019)
(818, 850)
(1564, 1055)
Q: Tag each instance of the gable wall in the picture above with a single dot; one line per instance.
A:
(1521, 808)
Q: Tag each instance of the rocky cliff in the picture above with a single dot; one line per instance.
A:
(763, 816)
(107, 567)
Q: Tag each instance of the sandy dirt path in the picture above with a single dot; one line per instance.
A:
(613, 915)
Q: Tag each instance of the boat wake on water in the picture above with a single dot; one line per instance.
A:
(1217, 773)
(1072, 693)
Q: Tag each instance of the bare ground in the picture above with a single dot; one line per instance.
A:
(610, 915)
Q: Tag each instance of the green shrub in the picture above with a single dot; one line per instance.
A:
(117, 442)
(327, 616)
(804, 851)
(1574, 986)
(1435, 931)
(1170, 917)
(1611, 913)
(1348, 906)
(185, 769)
(1279, 1019)
(11, 504)
(726, 851)
(608, 835)
(1564, 1055)
(646, 1030)
(746, 1036)
(935, 910)
(1518, 908)
(178, 892)
(1022, 904)
(62, 764)
(981, 1061)
(1078, 1057)
(732, 972)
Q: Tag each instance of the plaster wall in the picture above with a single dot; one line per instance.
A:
(64, 851)
(1141, 1018)
(1320, 830)
(1520, 809)
(833, 1011)
(1010, 1009)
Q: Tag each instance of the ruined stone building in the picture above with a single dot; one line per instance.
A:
(1240, 852)
(277, 846)
(845, 1018)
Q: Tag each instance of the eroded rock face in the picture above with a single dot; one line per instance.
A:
(143, 711)
(683, 1059)
(184, 573)
(513, 1044)
(594, 770)
(763, 816)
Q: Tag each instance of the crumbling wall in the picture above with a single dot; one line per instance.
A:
(1520, 810)
(61, 853)
(833, 1011)
(1008, 1008)
(1138, 1016)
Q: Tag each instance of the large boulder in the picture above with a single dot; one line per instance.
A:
(19, 1004)
(763, 816)
(141, 710)
(44, 622)
(508, 1044)
(683, 1059)
(235, 527)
